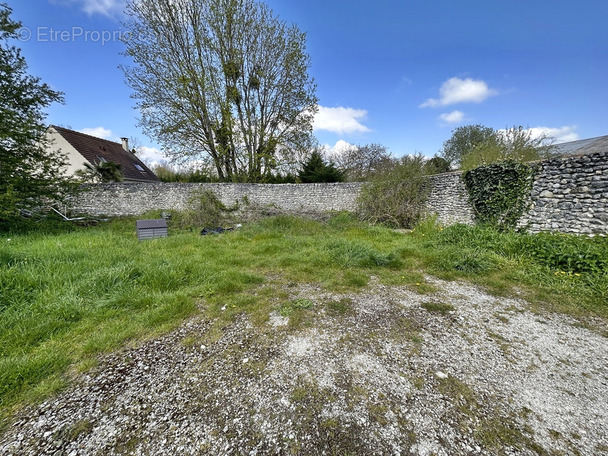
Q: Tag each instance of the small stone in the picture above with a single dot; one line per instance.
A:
(441, 375)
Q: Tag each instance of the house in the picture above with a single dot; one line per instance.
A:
(81, 148)
(581, 147)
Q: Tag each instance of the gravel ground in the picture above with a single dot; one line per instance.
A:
(385, 371)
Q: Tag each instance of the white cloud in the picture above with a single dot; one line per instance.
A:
(456, 90)
(338, 149)
(560, 134)
(340, 120)
(109, 8)
(98, 132)
(453, 117)
(150, 155)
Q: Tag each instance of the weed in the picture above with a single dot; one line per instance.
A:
(288, 308)
(79, 428)
(438, 307)
(496, 432)
(502, 318)
(341, 307)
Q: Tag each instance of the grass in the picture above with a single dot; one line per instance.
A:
(68, 295)
(438, 307)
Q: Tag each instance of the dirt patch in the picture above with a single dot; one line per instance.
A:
(385, 371)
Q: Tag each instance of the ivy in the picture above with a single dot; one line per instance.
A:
(499, 192)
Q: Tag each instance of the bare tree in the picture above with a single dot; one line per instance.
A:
(220, 78)
(360, 163)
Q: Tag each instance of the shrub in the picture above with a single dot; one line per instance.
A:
(567, 253)
(512, 144)
(437, 165)
(396, 197)
(205, 210)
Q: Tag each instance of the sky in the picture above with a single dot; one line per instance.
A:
(401, 73)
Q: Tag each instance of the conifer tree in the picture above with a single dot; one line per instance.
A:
(30, 171)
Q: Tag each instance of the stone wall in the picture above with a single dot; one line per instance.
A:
(569, 195)
(120, 199)
(449, 199)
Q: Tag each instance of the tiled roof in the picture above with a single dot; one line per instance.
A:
(583, 146)
(96, 150)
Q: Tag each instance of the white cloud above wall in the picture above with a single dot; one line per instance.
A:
(151, 155)
(338, 149)
(456, 90)
(341, 120)
(560, 134)
(98, 132)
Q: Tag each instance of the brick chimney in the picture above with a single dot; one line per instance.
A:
(125, 144)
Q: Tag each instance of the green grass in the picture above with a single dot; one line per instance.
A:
(67, 296)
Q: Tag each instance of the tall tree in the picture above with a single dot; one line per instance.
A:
(316, 170)
(221, 79)
(463, 140)
(361, 163)
(514, 144)
(30, 172)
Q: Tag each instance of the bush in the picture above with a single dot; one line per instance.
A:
(567, 253)
(557, 252)
(205, 210)
(396, 197)
(512, 144)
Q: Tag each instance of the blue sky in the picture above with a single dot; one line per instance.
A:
(400, 73)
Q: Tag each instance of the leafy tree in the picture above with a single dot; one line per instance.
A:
(169, 173)
(514, 144)
(315, 170)
(437, 165)
(30, 172)
(361, 163)
(463, 140)
(223, 79)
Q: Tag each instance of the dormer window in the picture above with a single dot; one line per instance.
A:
(139, 168)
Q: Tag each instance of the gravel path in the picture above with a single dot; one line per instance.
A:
(385, 371)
